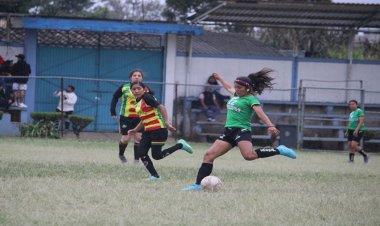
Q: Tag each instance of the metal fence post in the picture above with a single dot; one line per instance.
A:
(62, 114)
(175, 109)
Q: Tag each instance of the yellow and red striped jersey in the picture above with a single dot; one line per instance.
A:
(149, 114)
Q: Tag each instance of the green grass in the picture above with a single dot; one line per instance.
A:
(70, 182)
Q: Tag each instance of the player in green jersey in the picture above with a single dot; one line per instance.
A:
(240, 110)
(355, 131)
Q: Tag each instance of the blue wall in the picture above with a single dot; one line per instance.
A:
(94, 96)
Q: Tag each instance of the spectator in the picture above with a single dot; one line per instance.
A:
(67, 101)
(7, 82)
(20, 71)
(5, 100)
(211, 107)
(214, 85)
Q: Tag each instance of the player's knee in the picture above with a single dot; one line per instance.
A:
(249, 156)
(156, 156)
(209, 157)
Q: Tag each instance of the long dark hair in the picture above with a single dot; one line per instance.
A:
(135, 70)
(258, 81)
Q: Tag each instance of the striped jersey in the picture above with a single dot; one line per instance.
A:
(127, 107)
(149, 114)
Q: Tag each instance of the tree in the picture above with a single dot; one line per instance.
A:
(49, 8)
(178, 10)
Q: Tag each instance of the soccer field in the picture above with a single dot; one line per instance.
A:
(70, 182)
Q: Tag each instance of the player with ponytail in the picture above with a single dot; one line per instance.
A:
(240, 110)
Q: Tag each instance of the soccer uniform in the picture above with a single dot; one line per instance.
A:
(129, 119)
(155, 133)
(239, 117)
(154, 125)
(353, 123)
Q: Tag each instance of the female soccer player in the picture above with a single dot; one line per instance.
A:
(355, 131)
(240, 110)
(154, 120)
(128, 116)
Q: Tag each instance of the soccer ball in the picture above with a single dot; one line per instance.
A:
(211, 184)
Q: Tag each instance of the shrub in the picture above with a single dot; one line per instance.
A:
(1, 115)
(79, 123)
(42, 129)
(44, 125)
(46, 116)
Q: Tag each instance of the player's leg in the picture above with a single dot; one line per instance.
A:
(123, 128)
(145, 145)
(351, 147)
(133, 122)
(218, 148)
(159, 138)
(137, 139)
(358, 148)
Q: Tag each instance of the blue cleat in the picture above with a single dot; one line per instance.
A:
(153, 178)
(193, 187)
(287, 152)
(185, 146)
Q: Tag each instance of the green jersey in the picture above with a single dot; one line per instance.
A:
(240, 112)
(354, 119)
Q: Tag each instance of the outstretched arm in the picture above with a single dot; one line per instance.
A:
(263, 117)
(162, 109)
(225, 84)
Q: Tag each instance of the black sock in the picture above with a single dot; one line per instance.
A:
(362, 153)
(266, 152)
(204, 171)
(352, 155)
(122, 148)
(136, 150)
(170, 150)
(149, 165)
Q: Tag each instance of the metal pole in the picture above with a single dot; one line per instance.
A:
(175, 109)
(350, 58)
(302, 123)
(62, 114)
(299, 115)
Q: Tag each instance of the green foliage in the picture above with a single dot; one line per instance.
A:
(178, 10)
(46, 116)
(1, 115)
(80, 122)
(41, 129)
(43, 126)
(48, 8)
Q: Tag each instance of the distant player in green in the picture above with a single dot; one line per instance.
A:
(240, 110)
(355, 131)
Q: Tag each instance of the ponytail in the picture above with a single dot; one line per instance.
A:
(261, 80)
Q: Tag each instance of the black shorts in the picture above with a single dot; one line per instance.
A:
(126, 124)
(155, 137)
(234, 135)
(357, 138)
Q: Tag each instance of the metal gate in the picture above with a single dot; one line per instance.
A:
(96, 64)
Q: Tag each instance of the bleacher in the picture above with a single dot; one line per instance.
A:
(323, 126)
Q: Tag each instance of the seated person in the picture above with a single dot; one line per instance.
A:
(210, 105)
(214, 85)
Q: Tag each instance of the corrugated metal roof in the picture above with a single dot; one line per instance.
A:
(227, 44)
(282, 14)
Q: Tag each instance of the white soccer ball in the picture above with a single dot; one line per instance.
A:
(211, 184)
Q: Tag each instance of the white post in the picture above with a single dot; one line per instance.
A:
(169, 75)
